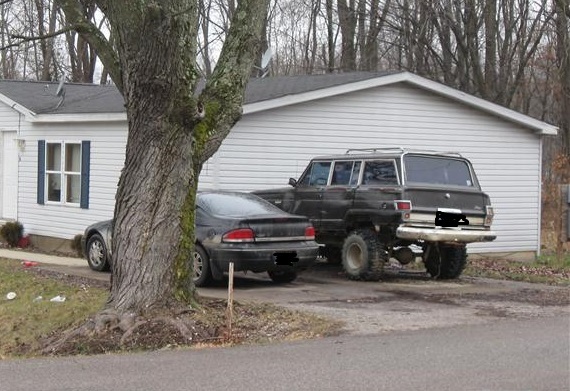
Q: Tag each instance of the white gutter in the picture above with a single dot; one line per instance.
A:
(74, 118)
(541, 128)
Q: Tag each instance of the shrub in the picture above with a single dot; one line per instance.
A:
(12, 232)
(76, 245)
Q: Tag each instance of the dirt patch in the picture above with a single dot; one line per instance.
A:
(205, 325)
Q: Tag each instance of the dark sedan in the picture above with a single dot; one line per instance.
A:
(231, 227)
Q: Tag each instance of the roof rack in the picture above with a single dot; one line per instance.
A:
(374, 150)
(401, 150)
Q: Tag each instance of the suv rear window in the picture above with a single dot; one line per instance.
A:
(437, 171)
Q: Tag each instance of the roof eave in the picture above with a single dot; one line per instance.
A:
(539, 127)
(321, 93)
(16, 106)
(76, 118)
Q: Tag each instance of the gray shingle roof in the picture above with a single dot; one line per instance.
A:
(40, 97)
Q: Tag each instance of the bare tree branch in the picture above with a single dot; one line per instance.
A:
(91, 33)
(27, 38)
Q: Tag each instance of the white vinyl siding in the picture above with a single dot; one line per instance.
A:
(9, 122)
(264, 149)
(107, 155)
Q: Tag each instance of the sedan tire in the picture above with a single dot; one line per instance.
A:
(201, 267)
(97, 253)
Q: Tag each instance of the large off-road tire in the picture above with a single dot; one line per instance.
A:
(333, 254)
(96, 252)
(202, 268)
(282, 276)
(445, 261)
(363, 256)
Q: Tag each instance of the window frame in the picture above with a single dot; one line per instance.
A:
(394, 164)
(62, 172)
(309, 172)
(473, 178)
(44, 172)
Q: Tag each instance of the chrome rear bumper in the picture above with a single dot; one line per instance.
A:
(445, 234)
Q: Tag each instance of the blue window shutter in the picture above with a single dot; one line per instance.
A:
(85, 159)
(41, 171)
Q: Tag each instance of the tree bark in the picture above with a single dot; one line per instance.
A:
(562, 9)
(171, 133)
(330, 37)
(347, 22)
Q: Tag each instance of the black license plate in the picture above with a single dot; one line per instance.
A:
(450, 219)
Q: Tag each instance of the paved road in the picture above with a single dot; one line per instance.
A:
(529, 354)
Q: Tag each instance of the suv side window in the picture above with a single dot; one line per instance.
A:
(345, 173)
(380, 172)
(316, 175)
(341, 173)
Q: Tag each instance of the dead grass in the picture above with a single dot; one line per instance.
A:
(553, 270)
(28, 326)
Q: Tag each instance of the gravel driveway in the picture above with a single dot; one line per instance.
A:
(403, 300)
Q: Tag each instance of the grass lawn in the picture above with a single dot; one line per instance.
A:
(26, 318)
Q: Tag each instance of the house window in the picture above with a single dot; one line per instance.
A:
(63, 172)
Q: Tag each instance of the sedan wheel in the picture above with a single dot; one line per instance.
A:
(97, 254)
(201, 266)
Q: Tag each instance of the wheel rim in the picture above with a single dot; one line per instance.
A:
(355, 257)
(198, 265)
(96, 254)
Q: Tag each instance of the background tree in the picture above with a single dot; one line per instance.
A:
(562, 11)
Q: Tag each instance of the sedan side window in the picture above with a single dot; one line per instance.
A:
(316, 175)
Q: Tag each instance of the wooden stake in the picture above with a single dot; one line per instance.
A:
(230, 309)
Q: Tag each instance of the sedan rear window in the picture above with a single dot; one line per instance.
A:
(437, 171)
(235, 204)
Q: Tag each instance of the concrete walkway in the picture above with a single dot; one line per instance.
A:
(41, 258)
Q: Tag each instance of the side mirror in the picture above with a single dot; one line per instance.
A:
(292, 182)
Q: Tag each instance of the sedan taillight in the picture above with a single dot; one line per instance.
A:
(310, 233)
(242, 235)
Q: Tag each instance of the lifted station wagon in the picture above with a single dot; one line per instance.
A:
(370, 205)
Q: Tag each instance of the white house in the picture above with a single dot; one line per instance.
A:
(62, 155)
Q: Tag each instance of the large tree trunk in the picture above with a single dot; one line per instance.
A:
(170, 134)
